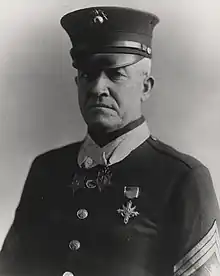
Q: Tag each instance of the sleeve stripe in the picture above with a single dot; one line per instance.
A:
(191, 267)
(200, 253)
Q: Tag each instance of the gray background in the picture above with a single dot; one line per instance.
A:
(38, 103)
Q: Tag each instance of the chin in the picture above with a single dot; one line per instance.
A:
(106, 124)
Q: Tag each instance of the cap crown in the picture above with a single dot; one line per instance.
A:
(110, 29)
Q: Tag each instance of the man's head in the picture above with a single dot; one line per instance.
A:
(110, 96)
(112, 53)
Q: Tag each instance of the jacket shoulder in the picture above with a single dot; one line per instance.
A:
(59, 154)
(166, 152)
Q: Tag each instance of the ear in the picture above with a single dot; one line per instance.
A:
(148, 85)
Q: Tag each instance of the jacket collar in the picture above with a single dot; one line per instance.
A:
(91, 154)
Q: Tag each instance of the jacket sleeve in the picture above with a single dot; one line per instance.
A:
(19, 240)
(197, 220)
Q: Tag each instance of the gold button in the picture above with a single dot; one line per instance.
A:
(82, 213)
(74, 245)
(149, 50)
(67, 273)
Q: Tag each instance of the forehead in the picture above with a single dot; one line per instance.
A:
(107, 60)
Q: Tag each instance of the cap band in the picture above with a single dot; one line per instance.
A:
(121, 44)
(131, 44)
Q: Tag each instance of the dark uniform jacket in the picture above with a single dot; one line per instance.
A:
(175, 231)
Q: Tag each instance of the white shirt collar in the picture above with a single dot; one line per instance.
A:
(91, 154)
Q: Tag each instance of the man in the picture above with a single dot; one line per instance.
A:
(120, 202)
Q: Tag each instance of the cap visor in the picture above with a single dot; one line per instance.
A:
(107, 60)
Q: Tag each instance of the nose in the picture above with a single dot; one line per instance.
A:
(100, 85)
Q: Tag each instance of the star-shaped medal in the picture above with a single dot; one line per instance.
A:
(78, 182)
(128, 211)
(103, 177)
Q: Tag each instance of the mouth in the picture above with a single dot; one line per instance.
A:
(101, 106)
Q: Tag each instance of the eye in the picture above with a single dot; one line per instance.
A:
(84, 74)
(88, 75)
(116, 74)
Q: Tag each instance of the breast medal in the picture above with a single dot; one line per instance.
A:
(98, 176)
(128, 210)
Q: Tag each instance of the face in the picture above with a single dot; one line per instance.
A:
(109, 97)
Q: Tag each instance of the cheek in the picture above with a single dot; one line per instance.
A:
(129, 95)
(83, 91)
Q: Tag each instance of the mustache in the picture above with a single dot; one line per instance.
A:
(99, 102)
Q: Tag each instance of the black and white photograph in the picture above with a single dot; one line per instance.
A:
(109, 138)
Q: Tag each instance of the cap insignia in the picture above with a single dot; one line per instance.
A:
(99, 17)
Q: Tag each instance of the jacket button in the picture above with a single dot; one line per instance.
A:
(67, 273)
(82, 213)
(74, 245)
